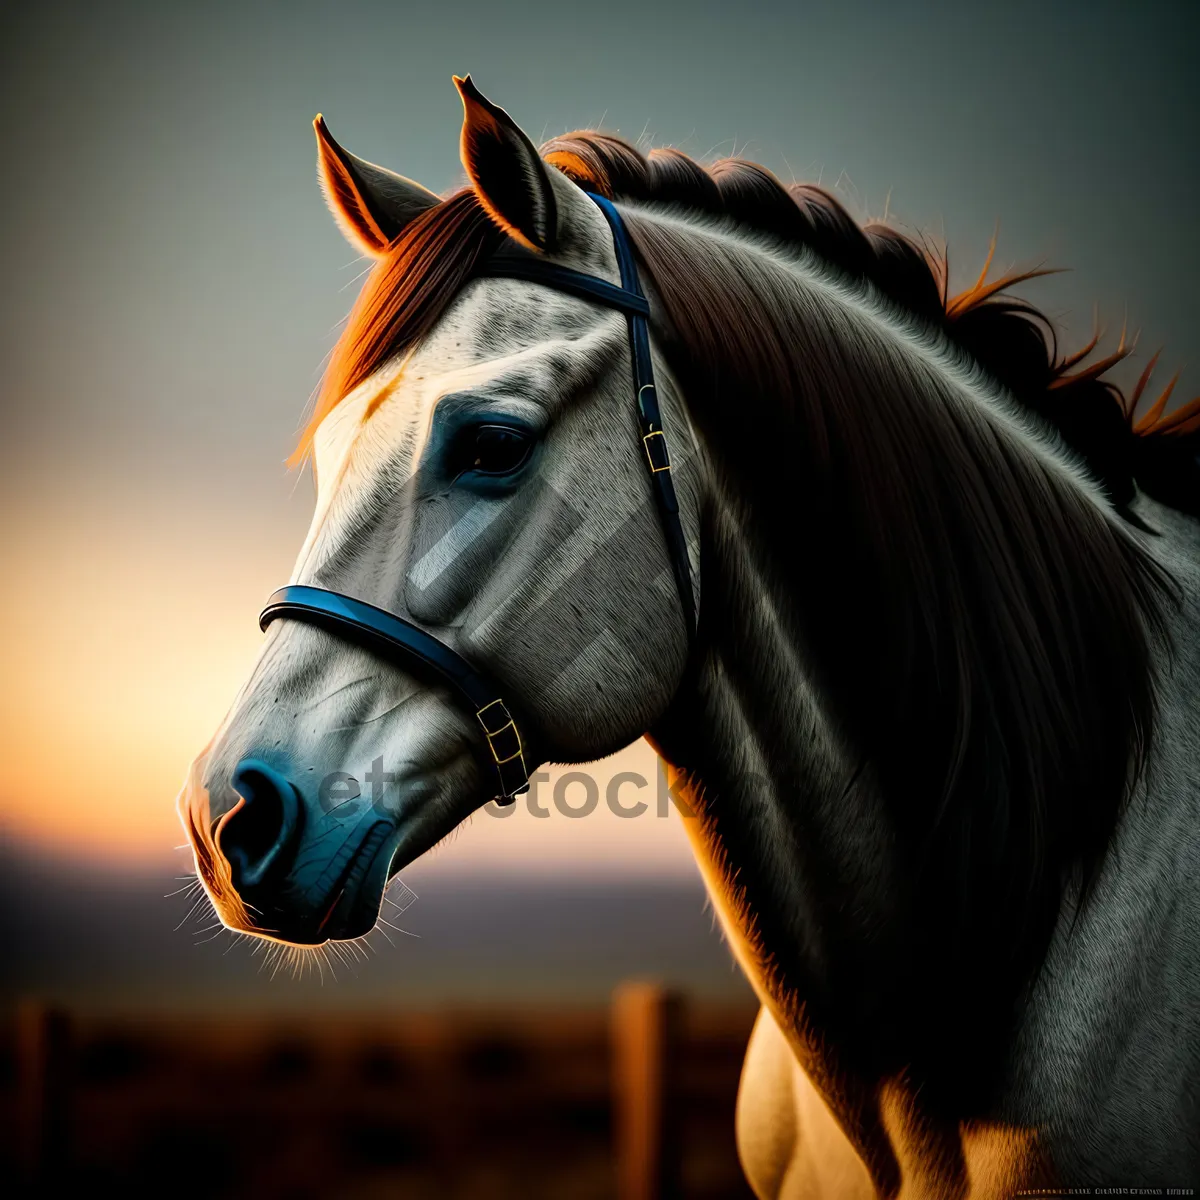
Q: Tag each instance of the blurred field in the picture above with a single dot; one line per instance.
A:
(473, 1058)
(476, 1104)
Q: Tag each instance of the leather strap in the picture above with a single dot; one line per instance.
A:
(374, 627)
(517, 264)
(654, 440)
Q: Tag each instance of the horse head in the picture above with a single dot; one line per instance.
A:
(479, 477)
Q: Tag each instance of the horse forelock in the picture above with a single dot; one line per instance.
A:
(403, 297)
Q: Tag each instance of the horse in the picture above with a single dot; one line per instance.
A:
(937, 720)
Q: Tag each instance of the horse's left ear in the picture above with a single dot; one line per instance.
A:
(371, 204)
(507, 173)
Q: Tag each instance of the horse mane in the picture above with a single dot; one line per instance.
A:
(1011, 339)
(995, 638)
(983, 633)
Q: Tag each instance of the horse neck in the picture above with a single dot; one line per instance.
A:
(780, 817)
(782, 823)
(1000, 567)
(797, 852)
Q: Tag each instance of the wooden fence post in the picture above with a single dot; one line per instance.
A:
(43, 1081)
(645, 1042)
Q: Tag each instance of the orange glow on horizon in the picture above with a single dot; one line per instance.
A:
(126, 636)
(121, 659)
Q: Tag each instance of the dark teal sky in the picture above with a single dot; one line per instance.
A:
(172, 280)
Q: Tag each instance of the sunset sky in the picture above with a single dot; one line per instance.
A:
(173, 282)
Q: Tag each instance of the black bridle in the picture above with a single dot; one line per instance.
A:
(393, 636)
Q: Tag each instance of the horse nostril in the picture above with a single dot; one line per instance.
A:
(256, 837)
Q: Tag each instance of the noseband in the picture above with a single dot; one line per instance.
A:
(394, 637)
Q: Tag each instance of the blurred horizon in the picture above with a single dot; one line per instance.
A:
(107, 938)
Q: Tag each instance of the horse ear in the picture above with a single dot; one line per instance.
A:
(507, 173)
(371, 204)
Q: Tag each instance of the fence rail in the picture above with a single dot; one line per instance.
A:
(631, 1103)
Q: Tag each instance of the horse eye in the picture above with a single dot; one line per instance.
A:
(491, 449)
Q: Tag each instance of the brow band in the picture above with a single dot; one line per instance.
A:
(514, 265)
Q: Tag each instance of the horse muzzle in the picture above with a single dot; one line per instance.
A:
(302, 875)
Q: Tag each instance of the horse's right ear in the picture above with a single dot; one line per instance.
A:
(371, 204)
(507, 173)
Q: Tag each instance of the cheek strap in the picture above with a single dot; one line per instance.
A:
(392, 637)
(515, 263)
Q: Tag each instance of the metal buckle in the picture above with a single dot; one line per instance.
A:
(505, 718)
(665, 464)
(507, 723)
